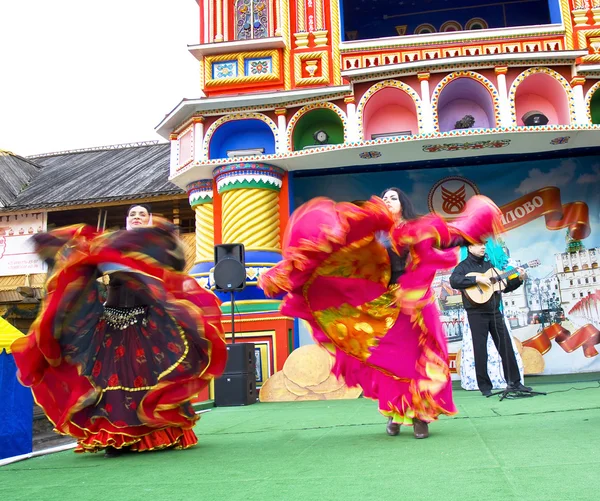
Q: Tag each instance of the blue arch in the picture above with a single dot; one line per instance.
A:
(241, 134)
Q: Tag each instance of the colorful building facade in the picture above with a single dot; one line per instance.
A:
(319, 87)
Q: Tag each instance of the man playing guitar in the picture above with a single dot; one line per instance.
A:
(486, 317)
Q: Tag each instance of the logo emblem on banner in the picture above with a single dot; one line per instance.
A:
(449, 196)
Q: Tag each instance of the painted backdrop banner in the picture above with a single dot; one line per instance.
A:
(551, 211)
(17, 255)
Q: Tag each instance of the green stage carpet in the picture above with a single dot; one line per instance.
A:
(541, 448)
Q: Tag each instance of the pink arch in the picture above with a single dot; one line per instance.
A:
(542, 92)
(389, 110)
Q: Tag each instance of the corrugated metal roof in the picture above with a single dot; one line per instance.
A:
(15, 174)
(97, 176)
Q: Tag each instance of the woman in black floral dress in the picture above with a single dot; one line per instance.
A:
(121, 374)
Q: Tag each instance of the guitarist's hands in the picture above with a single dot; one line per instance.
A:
(522, 273)
(483, 280)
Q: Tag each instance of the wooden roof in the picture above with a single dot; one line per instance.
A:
(89, 177)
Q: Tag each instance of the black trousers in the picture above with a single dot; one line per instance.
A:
(482, 323)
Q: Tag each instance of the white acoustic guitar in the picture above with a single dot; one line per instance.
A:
(481, 294)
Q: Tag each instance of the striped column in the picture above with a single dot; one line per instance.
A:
(250, 215)
(200, 195)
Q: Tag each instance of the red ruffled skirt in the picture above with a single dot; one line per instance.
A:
(122, 377)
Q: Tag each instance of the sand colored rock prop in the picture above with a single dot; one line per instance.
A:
(306, 375)
(533, 361)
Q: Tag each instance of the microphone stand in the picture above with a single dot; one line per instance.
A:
(508, 392)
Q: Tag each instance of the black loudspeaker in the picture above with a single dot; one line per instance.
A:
(237, 385)
(241, 359)
(235, 389)
(534, 118)
(230, 269)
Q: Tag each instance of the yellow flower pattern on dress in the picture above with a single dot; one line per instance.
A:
(356, 330)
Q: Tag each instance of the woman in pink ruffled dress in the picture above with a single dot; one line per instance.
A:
(369, 299)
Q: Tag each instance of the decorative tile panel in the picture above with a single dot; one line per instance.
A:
(224, 69)
(258, 66)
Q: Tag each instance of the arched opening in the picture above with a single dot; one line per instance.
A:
(390, 112)
(425, 29)
(242, 138)
(465, 97)
(476, 23)
(449, 26)
(595, 107)
(544, 93)
(314, 121)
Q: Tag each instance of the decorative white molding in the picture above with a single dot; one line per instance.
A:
(269, 100)
(235, 46)
(442, 64)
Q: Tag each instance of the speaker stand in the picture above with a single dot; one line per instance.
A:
(232, 318)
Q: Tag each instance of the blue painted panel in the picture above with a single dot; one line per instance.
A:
(262, 257)
(16, 411)
(251, 292)
(202, 268)
(555, 14)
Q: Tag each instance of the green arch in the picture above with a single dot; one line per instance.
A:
(595, 107)
(314, 120)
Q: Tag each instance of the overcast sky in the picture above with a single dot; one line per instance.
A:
(77, 73)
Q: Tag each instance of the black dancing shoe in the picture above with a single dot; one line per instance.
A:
(111, 452)
(486, 393)
(392, 429)
(420, 428)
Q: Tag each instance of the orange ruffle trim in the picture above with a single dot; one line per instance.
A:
(173, 437)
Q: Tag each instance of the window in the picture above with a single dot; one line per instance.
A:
(251, 19)
(424, 29)
(476, 24)
(571, 282)
(574, 295)
(581, 294)
(450, 26)
(587, 280)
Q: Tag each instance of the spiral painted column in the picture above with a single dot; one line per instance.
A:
(200, 195)
(250, 215)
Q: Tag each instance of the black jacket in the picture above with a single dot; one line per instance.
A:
(459, 281)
